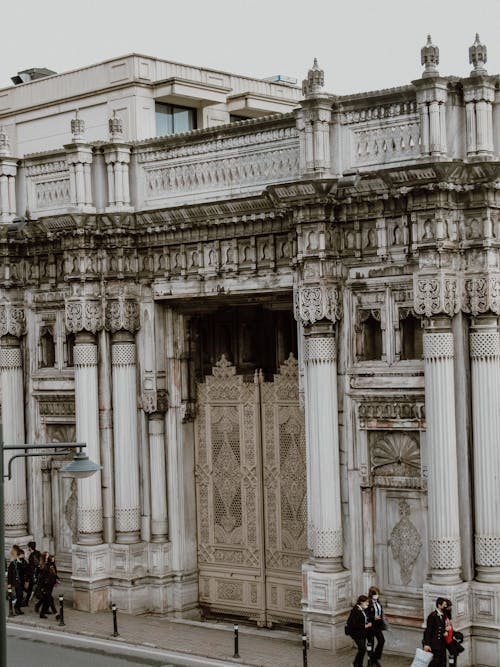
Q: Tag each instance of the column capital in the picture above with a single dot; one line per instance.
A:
(155, 403)
(436, 294)
(122, 314)
(313, 303)
(84, 314)
(12, 319)
(482, 294)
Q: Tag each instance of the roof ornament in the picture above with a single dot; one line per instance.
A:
(4, 143)
(115, 127)
(315, 81)
(429, 55)
(478, 55)
(77, 127)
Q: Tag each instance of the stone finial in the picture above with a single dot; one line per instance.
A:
(478, 55)
(115, 127)
(77, 127)
(4, 143)
(430, 58)
(315, 81)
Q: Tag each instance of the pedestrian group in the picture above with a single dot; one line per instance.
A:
(34, 577)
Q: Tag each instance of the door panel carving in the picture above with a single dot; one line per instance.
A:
(251, 494)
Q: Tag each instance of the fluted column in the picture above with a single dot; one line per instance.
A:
(126, 449)
(443, 518)
(485, 375)
(11, 365)
(90, 522)
(157, 457)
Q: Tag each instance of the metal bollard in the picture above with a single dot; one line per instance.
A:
(115, 621)
(304, 650)
(236, 642)
(61, 610)
(11, 607)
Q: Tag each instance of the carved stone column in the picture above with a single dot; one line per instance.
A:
(117, 158)
(122, 319)
(157, 458)
(443, 521)
(485, 375)
(12, 323)
(318, 307)
(84, 318)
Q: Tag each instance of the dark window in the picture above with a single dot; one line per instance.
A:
(371, 340)
(411, 338)
(48, 350)
(173, 119)
(70, 344)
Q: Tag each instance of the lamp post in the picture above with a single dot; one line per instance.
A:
(81, 466)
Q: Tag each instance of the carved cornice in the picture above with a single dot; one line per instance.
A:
(436, 294)
(84, 314)
(122, 314)
(481, 294)
(313, 303)
(12, 319)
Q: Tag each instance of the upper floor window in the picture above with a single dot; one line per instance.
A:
(173, 119)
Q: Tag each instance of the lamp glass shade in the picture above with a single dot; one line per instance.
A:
(81, 466)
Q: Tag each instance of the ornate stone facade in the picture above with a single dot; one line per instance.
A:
(302, 309)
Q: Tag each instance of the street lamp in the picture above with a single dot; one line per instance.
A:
(80, 467)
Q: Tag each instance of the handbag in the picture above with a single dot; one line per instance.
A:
(422, 658)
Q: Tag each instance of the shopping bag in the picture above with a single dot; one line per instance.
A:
(422, 658)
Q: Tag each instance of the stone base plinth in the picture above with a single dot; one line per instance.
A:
(90, 567)
(485, 603)
(327, 601)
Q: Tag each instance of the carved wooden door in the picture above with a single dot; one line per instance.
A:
(251, 494)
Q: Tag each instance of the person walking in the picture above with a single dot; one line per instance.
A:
(357, 625)
(435, 634)
(16, 577)
(375, 634)
(32, 570)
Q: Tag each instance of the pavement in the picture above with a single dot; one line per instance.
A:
(160, 640)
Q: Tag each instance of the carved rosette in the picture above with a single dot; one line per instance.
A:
(122, 315)
(12, 320)
(319, 302)
(84, 315)
(436, 294)
(482, 294)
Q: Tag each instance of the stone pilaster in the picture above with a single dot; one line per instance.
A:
(485, 377)
(443, 517)
(11, 367)
(117, 158)
(327, 586)
(157, 458)
(8, 171)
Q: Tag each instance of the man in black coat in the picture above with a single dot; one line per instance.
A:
(16, 577)
(358, 624)
(32, 570)
(434, 634)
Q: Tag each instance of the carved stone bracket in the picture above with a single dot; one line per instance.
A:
(12, 320)
(315, 303)
(84, 314)
(482, 294)
(436, 294)
(122, 314)
(154, 401)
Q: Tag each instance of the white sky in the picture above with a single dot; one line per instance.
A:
(361, 44)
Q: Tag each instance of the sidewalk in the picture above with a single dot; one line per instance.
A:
(257, 648)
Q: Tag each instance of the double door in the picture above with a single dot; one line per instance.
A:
(251, 494)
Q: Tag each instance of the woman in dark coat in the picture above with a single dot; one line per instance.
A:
(358, 624)
(47, 579)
